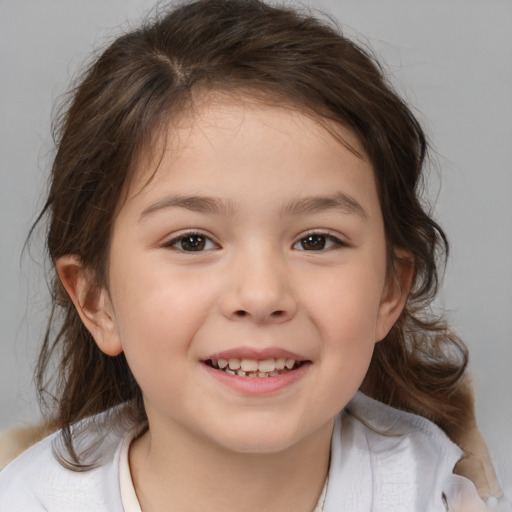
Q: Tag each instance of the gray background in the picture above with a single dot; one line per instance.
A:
(452, 59)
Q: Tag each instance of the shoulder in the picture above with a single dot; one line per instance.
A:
(385, 426)
(36, 481)
(399, 460)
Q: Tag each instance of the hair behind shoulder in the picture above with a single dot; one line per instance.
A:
(151, 74)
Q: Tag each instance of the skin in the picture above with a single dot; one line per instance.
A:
(259, 284)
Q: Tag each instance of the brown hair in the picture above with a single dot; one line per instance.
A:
(150, 74)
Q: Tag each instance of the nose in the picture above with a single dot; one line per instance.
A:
(259, 290)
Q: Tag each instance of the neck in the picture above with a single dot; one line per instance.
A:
(181, 472)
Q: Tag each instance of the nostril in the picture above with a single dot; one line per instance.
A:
(278, 314)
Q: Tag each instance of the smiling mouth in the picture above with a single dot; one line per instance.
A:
(254, 367)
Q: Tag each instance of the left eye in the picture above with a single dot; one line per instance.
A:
(192, 242)
(317, 242)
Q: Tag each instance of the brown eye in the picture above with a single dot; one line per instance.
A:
(318, 242)
(313, 242)
(192, 243)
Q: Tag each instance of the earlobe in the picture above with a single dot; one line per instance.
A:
(92, 303)
(396, 292)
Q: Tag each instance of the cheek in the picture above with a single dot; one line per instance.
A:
(158, 313)
(345, 303)
(156, 330)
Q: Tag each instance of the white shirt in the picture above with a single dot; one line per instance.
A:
(382, 460)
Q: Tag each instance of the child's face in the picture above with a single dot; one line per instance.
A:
(260, 237)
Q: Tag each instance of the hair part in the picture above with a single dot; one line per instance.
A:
(148, 77)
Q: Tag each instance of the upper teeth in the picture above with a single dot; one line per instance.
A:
(255, 365)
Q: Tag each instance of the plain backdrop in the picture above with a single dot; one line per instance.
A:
(451, 59)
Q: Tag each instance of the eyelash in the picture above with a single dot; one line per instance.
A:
(331, 241)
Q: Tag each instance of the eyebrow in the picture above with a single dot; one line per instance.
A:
(303, 205)
(200, 204)
(314, 204)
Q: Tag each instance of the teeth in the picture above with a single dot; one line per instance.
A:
(280, 363)
(253, 367)
(267, 365)
(234, 364)
(249, 365)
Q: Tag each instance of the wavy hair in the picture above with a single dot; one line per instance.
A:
(147, 76)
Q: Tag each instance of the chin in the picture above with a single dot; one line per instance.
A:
(261, 438)
(258, 446)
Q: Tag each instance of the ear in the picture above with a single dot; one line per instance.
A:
(92, 303)
(395, 293)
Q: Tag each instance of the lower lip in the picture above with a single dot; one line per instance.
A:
(258, 385)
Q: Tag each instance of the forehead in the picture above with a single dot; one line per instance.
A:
(220, 126)
(255, 156)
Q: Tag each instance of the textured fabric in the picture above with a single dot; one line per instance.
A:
(36, 482)
(382, 460)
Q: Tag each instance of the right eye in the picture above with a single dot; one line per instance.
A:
(192, 242)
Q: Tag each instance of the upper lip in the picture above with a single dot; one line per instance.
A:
(255, 353)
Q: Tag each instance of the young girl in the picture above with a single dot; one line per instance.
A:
(243, 269)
